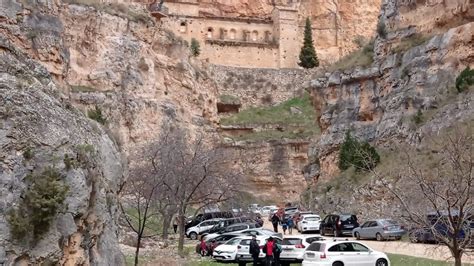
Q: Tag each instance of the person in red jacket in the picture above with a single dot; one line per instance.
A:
(268, 250)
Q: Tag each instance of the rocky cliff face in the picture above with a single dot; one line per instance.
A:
(39, 128)
(413, 72)
(100, 56)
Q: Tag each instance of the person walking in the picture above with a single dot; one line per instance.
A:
(268, 250)
(175, 224)
(254, 250)
(203, 247)
(291, 224)
(284, 225)
(275, 221)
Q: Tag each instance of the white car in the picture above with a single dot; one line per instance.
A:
(293, 247)
(309, 222)
(243, 249)
(266, 209)
(194, 231)
(228, 250)
(343, 253)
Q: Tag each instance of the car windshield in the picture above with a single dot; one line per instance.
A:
(348, 218)
(233, 241)
(389, 222)
(312, 219)
(291, 241)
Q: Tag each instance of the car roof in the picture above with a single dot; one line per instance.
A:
(311, 215)
(302, 237)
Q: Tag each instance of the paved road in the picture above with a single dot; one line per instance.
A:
(435, 252)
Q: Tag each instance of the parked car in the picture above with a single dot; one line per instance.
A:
(437, 228)
(380, 229)
(339, 253)
(293, 248)
(207, 216)
(231, 228)
(291, 211)
(243, 251)
(308, 222)
(194, 231)
(261, 232)
(228, 251)
(338, 225)
(218, 240)
(266, 209)
(224, 223)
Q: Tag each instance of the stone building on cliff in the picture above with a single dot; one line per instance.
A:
(254, 42)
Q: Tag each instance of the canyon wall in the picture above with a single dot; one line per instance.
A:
(413, 74)
(42, 136)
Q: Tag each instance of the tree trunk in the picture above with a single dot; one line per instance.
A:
(137, 251)
(166, 225)
(182, 219)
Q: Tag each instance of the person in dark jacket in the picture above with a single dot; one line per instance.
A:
(275, 221)
(254, 250)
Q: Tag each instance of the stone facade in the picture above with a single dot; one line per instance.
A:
(261, 87)
(244, 42)
(269, 34)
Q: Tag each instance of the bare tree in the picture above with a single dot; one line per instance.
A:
(138, 197)
(436, 190)
(192, 173)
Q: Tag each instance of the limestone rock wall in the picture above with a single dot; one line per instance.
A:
(38, 127)
(261, 87)
(377, 103)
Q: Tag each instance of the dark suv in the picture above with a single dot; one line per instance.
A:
(338, 225)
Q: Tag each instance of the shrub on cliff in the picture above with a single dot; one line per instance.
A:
(41, 201)
(358, 154)
(96, 114)
(465, 79)
(195, 48)
(308, 57)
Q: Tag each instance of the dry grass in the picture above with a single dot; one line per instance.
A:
(410, 42)
(362, 57)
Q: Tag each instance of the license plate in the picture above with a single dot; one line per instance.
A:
(349, 226)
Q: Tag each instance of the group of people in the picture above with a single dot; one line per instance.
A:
(286, 223)
(271, 249)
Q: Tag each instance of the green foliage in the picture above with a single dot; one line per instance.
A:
(358, 154)
(85, 155)
(41, 201)
(69, 162)
(195, 48)
(418, 117)
(465, 79)
(96, 114)
(381, 29)
(308, 57)
(28, 153)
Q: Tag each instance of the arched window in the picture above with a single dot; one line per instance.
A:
(232, 34)
(247, 35)
(182, 27)
(210, 32)
(254, 35)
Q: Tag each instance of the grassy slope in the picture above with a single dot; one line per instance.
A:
(296, 125)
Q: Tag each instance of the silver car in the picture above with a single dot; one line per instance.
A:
(380, 229)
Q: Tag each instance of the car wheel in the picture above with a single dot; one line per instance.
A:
(357, 235)
(337, 263)
(381, 262)
(193, 235)
(379, 237)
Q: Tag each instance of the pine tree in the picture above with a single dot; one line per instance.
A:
(308, 57)
(195, 47)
